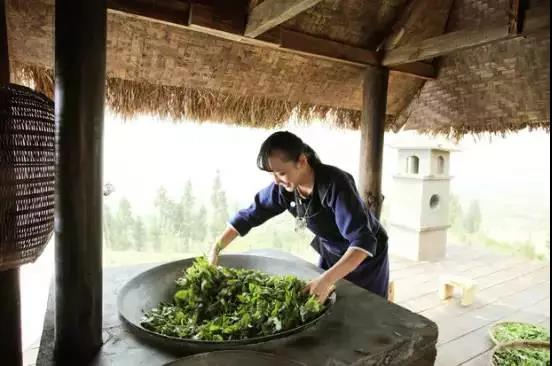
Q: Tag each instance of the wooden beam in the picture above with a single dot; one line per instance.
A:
(206, 19)
(372, 128)
(535, 20)
(271, 13)
(80, 63)
(166, 11)
(229, 25)
(420, 69)
(10, 318)
(4, 56)
(322, 48)
(307, 44)
(216, 21)
(516, 14)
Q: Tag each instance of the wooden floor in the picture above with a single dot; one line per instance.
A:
(509, 288)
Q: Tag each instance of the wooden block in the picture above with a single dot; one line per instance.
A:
(391, 291)
(468, 287)
(445, 291)
(468, 296)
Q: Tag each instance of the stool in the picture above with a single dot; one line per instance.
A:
(468, 286)
(391, 291)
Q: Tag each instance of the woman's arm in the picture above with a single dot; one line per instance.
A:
(267, 204)
(345, 265)
(323, 285)
(227, 236)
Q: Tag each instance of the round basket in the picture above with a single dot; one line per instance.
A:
(27, 171)
(493, 329)
(517, 345)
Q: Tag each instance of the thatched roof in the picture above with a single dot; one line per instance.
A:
(493, 88)
(166, 69)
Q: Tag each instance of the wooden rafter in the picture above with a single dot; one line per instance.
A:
(165, 11)
(208, 19)
(534, 20)
(516, 16)
(271, 13)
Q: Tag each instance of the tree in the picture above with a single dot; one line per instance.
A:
(165, 209)
(219, 217)
(155, 233)
(472, 220)
(107, 226)
(184, 216)
(123, 224)
(139, 234)
(199, 225)
(455, 211)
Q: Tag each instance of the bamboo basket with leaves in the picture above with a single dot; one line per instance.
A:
(521, 353)
(511, 331)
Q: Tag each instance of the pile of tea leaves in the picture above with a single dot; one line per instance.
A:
(513, 331)
(522, 357)
(217, 303)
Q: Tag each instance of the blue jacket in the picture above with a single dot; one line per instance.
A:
(338, 217)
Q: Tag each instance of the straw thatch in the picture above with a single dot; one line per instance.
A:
(172, 71)
(496, 88)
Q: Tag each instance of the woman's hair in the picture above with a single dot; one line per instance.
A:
(290, 145)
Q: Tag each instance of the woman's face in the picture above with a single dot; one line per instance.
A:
(286, 173)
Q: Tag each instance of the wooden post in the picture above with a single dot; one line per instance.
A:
(10, 305)
(10, 318)
(80, 56)
(374, 100)
(4, 61)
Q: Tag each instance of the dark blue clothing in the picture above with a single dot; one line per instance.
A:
(336, 214)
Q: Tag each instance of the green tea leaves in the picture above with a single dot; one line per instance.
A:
(216, 304)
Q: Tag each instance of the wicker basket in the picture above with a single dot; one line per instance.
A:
(496, 325)
(519, 344)
(27, 170)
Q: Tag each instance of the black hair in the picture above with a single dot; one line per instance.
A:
(290, 145)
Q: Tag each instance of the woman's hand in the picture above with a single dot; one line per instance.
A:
(214, 253)
(226, 238)
(321, 287)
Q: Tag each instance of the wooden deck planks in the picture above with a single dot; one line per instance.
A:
(508, 289)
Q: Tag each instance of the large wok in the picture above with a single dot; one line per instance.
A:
(146, 290)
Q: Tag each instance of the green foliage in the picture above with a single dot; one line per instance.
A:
(108, 228)
(455, 212)
(219, 217)
(472, 220)
(522, 357)
(156, 234)
(217, 303)
(508, 332)
(122, 226)
(184, 224)
(199, 225)
(139, 234)
(166, 210)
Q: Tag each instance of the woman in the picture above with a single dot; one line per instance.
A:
(351, 242)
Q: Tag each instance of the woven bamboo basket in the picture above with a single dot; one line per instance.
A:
(492, 330)
(27, 168)
(518, 344)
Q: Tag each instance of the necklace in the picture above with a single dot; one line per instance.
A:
(301, 221)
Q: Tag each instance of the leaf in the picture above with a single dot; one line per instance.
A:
(212, 303)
